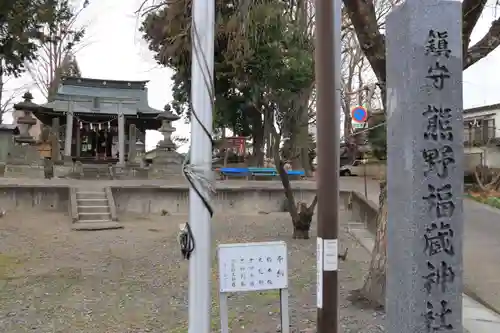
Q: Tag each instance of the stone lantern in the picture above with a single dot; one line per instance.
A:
(166, 129)
(165, 149)
(26, 122)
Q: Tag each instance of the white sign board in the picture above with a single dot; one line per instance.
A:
(358, 125)
(252, 266)
(319, 272)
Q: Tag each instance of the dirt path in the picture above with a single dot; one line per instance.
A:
(133, 280)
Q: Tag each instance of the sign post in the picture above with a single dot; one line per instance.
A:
(248, 267)
(359, 115)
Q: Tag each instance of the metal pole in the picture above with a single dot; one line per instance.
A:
(202, 67)
(364, 176)
(327, 70)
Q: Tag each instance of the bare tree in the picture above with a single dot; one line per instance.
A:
(352, 59)
(487, 179)
(8, 96)
(63, 39)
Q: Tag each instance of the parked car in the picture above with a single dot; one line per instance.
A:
(354, 169)
(345, 170)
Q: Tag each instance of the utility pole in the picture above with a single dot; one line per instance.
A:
(327, 54)
(202, 68)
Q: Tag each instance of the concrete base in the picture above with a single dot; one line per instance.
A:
(147, 198)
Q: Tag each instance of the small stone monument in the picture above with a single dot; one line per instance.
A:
(54, 138)
(425, 167)
(132, 145)
(166, 156)
(7, 133)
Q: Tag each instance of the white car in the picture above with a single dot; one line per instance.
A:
(345, 170)
(353, 169)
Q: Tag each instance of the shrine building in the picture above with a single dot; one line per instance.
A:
(95, 118)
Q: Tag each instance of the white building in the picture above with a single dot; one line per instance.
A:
(481, 136)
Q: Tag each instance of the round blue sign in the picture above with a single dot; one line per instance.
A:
(359, 114)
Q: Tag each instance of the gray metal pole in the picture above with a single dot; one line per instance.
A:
(365, 180)
(328, 115)
(202, 67)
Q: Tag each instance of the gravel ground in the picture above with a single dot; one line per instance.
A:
(133, 280)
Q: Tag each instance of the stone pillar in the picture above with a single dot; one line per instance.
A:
(121, 136)
(132, 139)
(6, 142)
(78, 140)
(55, 146)
(425, 167)
(69, 134)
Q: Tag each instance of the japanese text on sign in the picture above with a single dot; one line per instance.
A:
(438, 159)
(252, 266)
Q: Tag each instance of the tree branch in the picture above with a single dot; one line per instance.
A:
(312, 207)
(364, 19)
(482, 48)
(471, 12)
(362, 14)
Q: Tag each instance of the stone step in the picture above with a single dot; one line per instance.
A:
(92, 201)
(90, 195)
(93, 209)
(91, 190)
(96, 173)
(90, 225)
(103, 169)
(93, 216)
(94, 177)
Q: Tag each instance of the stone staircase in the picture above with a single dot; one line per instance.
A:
(96, 171)
(93, 209)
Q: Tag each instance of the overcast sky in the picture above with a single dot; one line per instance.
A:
(117, 51)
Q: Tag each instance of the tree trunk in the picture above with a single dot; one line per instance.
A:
(302, 226)
(301, 214)
(226, 155)
(374, 286)
(268, 122)
(300, 233)
(258, 139)
(303, 135)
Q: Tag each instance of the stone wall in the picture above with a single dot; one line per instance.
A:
(34, 172)
(18, 197)
(362, 210)
(153, 200)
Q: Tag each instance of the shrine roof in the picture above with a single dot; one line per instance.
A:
(83, 91)
(103, 83)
